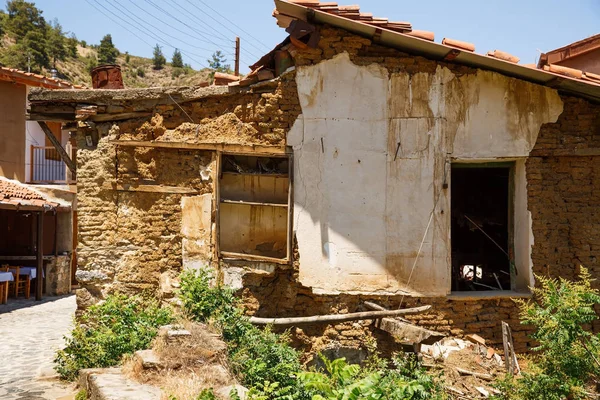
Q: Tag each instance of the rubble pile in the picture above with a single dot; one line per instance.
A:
(469, 366)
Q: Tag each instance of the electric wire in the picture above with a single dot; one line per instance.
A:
(244, 52)
(126, 11)
(187, 53)
(167, 24)
(116, 22)
(180, 21)
(191, 14)
(231, 22)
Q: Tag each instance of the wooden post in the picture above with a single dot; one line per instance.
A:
(63, 154)
(237, 56)
(40, 256)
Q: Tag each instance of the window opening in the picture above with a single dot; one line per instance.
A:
(254, 210)
(481, 229)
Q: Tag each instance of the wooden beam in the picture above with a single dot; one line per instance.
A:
(252, 257)
(250, 149)
(119, 117)
(61, 151)
(149, 188)
(32, 116)
(336, 317)
(39, 256)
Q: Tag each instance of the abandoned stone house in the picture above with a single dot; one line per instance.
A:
(375, 165)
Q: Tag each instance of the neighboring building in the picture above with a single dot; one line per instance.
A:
(27, 156)
(583, 55)
(377, 165)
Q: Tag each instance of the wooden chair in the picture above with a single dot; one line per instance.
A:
(22, 283)
(3, 287)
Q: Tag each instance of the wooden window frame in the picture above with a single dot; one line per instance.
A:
(234, 256)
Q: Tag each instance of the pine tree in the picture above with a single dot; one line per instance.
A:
(218, 61)
(107, 52)
(56, 43)
(177, 61)
(23, 17)
(159, 60)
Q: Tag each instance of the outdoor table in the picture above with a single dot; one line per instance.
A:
(31, 271)
(5, 277)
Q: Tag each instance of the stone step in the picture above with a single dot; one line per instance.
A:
(111, 384)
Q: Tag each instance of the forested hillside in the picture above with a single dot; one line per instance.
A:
(31, 43)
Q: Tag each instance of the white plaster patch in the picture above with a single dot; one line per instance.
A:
(371, 155)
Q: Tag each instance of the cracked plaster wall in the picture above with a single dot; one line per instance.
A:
(372, 150)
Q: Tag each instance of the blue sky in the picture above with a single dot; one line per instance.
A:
(520, 27)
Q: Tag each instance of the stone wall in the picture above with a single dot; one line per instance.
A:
(58, 275)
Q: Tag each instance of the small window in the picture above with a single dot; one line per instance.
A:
(254, 208)
(481, 231)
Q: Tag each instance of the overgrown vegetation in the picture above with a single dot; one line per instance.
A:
(568, 354)
(106, 331)
(266, 363)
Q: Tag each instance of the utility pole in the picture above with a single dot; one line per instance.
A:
(237, 56)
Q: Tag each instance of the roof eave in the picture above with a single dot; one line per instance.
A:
(437, 51)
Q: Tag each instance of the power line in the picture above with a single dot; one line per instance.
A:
(180, 21)
(187, 53)
(192, 15)
(127, 11)
(116, 22)
(226, 19)
(220, 23)
(166, 23)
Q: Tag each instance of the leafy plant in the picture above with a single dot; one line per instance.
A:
(261, 358)
(344, 382)
(107, 52)
(119, 325)
(568, 355)
(207, 394)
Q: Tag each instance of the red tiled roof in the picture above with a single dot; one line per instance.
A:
(405, 28)
(31, 79)
(16, 195)
(571, 50)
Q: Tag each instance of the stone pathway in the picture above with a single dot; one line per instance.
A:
(30, 333)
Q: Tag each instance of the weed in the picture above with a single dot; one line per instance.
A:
(119, 325)
(567, 355)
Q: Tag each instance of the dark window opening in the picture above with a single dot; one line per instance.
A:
(254, 211)
(481, 227)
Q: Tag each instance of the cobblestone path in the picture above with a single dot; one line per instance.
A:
(30, 333)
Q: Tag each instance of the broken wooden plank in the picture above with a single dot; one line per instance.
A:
(403, 330)
(485, 377)
(61, 151)
(250, 149)
(119, 117)
(252, 257)
(336, 317)
(510, 358)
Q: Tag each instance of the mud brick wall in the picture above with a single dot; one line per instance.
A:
(563, 196)
(131, 241)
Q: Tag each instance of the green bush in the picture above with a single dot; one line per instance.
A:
(140, 72)
(567, 355)
(106, 331)
(257, 356)
(341, 381)
(266, 363)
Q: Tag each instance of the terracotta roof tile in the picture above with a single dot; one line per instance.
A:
(459, 44)
(502, 55)
(353, 12)
(558, 69)
(350, 12)
(31, 79)
(16, 194)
